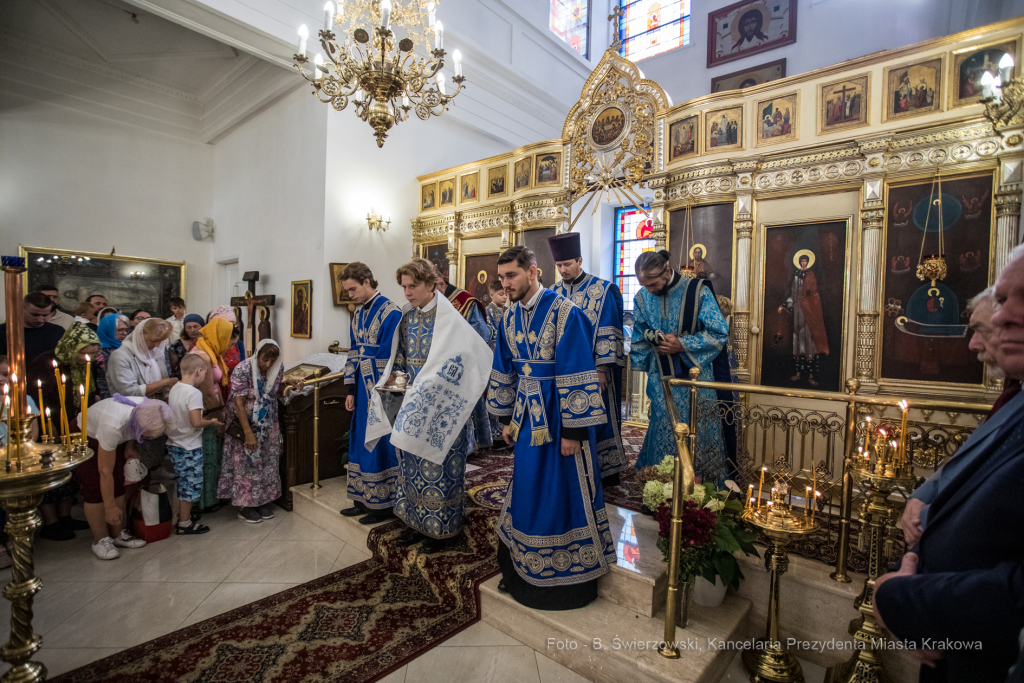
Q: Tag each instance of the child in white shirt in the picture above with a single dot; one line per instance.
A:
(185, 440)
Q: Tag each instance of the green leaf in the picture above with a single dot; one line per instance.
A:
(727, 567)
(708, 572)
(724, 540)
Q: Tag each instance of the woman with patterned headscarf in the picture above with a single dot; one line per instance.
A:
(78, 343)
(213, 344)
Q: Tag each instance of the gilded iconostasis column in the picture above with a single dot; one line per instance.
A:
(658, 215)
(743, 224)
(1007, 199)
(872, 217)
(453, 246)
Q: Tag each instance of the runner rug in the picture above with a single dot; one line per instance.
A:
(355, 625)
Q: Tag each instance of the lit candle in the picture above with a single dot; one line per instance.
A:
(328, 16)
(817, 494)
(42, 426)
(85, 408)
(808, 499)
(457, 59)
(750, 494)
(88, 375)
(814, 477)
(15, 387)
(761, 485)
(7, 409)
(867, 437)
(385, 13)
(303, 35)
(438, 35)
(49, 423)
(1005, 66)
(904, 406)
(63, 404)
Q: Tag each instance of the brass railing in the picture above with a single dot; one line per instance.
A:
(829, 438)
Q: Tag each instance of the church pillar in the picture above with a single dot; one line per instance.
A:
(872, 216)
(743, 224)
(453, 246)
(658, 216)
(1007, 199)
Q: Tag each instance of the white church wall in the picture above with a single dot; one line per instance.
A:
(76, 181)
(361, 177)
(269, 208)
(828, 32)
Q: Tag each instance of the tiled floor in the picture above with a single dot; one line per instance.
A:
(89, 609)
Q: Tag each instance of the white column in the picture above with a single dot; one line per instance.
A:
(743, 224)
(872, 216)
(1007, 209)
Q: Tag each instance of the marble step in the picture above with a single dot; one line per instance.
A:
(608, 643)
(637, 581)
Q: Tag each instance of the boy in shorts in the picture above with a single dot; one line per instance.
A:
(185, 441)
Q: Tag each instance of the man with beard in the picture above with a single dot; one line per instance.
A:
(447, 369)
(371, 472)
(678, 326)
(750, 25)
(962, 586)
(601, 303)
(553, 528)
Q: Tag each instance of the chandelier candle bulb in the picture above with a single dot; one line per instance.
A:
(431, 17)
(457, 59)
(328, 16)
(439, 79)
(317, 73)
(385, 14)
(438, 35)
(1005, 65)
(405, 100)
(303, 35)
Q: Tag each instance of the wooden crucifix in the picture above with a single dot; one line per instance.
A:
(251, 301)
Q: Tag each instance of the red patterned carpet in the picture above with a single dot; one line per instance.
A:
(355, 625)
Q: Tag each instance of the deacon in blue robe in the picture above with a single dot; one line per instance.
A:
(494, 313)
(429, 497)
(684, 307)
(472, 309)
(371, 473)
(553, 528)
(601, 303)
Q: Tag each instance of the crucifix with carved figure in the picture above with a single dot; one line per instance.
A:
(251, 301)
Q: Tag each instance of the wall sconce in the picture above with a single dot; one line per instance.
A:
(377, 222)
(137, 274)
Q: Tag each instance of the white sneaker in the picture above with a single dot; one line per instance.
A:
(126, 540)
(105, 549)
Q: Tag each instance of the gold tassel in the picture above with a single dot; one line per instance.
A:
(887, 548)
(539, 437)
(513, 431)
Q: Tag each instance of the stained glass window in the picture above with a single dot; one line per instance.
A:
(570, 20)
(633, 236)
(650, 27)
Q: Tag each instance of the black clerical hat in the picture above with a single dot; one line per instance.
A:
(565, 247)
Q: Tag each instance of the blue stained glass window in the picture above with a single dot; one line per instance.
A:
(570, 20)
(633, 236)
(650, 27)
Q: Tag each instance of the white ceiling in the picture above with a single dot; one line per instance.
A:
(115, 60)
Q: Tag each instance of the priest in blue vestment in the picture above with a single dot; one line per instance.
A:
(601, 303)
(678, 326)
(553, 528)
(473, 310)
(371, 472)
(428, 417)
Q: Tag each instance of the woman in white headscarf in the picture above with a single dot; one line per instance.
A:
(138, 368)
(250, 473)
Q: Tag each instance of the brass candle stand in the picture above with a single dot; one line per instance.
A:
(880, 468)
(29, 470)
(779, 524)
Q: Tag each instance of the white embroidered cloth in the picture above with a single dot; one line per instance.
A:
(441, 399)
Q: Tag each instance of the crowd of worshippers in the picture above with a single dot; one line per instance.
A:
(168, 399)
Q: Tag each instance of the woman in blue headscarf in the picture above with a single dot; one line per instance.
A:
(112, 330)
(186, 340)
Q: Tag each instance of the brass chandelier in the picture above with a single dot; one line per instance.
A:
(378, 69)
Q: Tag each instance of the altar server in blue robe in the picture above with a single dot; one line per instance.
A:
(601, 302)
(553, 528)
(678, 326)
(495, 309)
(473, 310)
(447, 366)
(371, 473)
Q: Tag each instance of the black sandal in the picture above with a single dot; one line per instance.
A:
(193, 529)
